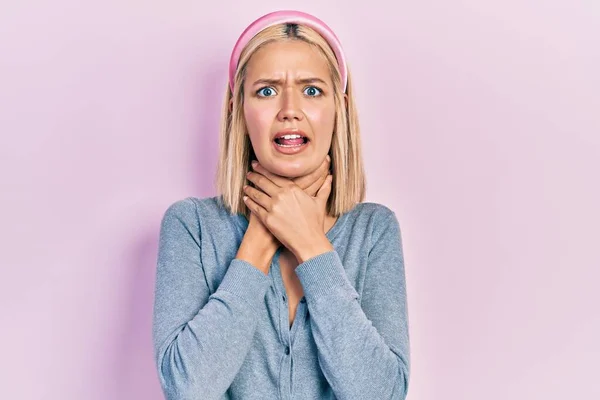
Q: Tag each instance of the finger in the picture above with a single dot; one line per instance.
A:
(258, 197)
(277, 180)
(314, 180)
(255, 208)
(325, 190)
(263, 183)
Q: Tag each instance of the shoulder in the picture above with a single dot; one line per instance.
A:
(194, 211)
(181, 207)
(383, 235)
(375, 214)
(376, 222)
(183, 210)
(195, 205)
(180, 219)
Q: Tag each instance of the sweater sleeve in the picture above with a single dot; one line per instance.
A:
(200, 340)
(363, 346)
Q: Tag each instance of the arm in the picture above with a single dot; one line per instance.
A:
(363, 347)
(200, 340)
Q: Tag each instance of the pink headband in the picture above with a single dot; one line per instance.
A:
(279, 17)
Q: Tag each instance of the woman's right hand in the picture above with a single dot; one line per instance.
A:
(259, 245)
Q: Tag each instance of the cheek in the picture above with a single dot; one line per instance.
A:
(258, 120)
(322, 119)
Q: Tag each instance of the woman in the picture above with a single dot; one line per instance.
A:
(286, 285)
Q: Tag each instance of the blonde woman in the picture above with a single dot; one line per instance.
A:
(286, 285)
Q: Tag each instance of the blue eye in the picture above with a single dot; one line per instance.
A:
(266, 92)
(313, 91)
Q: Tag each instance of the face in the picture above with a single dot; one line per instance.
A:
(288, 90)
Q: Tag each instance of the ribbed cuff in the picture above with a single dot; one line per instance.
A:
(322, 275)
(245, 281)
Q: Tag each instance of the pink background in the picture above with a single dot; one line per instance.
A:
(481, 123)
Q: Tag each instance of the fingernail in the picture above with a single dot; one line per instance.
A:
(254, 163)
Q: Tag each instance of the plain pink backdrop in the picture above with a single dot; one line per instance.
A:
(481, 129)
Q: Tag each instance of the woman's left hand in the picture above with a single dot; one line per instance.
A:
(295, 218)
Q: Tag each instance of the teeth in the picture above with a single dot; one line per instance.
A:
(289, 137)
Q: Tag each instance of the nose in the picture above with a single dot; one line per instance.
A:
(290, 106)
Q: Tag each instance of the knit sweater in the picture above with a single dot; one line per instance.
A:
(221, 326)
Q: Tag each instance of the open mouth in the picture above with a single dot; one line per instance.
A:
(291, 140)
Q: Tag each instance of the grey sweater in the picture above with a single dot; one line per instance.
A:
(221, 326)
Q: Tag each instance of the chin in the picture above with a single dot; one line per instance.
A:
(288, 172)
(290, 169)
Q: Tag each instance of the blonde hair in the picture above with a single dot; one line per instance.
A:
(236, 153)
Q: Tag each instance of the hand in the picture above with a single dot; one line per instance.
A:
(259, 245)
(295, 218)
(309, 183)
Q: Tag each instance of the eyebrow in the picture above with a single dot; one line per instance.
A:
(280, 81)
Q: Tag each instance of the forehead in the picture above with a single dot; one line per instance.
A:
(283, 57)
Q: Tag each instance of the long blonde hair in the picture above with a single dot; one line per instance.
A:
(236, 153)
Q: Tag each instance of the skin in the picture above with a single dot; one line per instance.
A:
(288, 86)
(270, 107)
(258, 244)
(295, 218)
